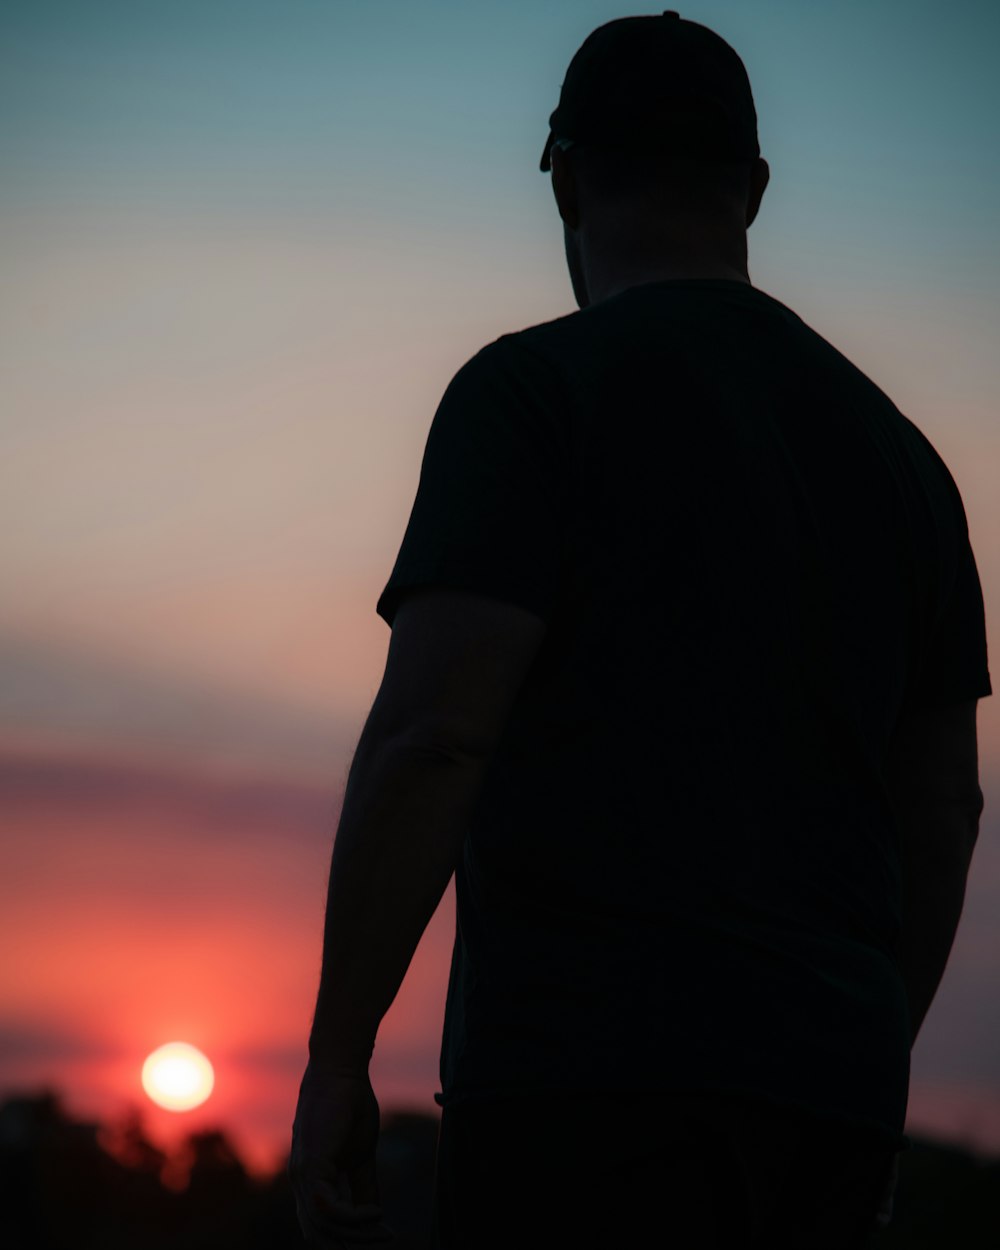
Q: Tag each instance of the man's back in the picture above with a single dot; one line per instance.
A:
(696, 604)
(684, 871)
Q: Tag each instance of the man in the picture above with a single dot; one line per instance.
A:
(687, 638)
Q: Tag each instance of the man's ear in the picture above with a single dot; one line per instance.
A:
(564, 186)
(759, 178)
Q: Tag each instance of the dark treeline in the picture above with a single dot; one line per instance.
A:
(67, 1184)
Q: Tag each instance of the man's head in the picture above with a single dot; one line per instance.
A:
(656, 167)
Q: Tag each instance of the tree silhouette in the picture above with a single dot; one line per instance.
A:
(68, 1185)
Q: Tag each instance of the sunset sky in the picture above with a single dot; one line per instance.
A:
(245, 247)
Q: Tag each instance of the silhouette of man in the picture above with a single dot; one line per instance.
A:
(687, 638)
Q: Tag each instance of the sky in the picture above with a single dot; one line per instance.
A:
(245, 247)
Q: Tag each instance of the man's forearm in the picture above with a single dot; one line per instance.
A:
(937, 851)
(406, 809)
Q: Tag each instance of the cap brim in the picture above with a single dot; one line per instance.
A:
(545, 165)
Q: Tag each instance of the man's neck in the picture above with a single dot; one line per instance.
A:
(629, 251)
(613, 284)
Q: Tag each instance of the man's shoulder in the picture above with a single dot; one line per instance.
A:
(540, 341)
(542, 356)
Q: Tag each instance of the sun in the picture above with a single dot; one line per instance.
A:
(177, 1076)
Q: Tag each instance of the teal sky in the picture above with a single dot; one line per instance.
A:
(878, 118)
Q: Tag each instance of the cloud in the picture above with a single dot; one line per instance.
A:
(72, 697)
(58, 795)
(19, 1043)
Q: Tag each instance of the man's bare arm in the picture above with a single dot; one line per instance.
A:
(406, 809)
(933, 779)
(456, 662)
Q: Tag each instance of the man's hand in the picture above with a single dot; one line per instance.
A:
(332, 1163)
(884, 1214)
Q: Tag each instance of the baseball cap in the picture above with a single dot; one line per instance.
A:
(657, 80)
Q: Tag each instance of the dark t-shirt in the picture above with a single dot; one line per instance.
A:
(683, 869)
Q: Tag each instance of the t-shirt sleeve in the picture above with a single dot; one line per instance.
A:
(955, 667)
(491, 508)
